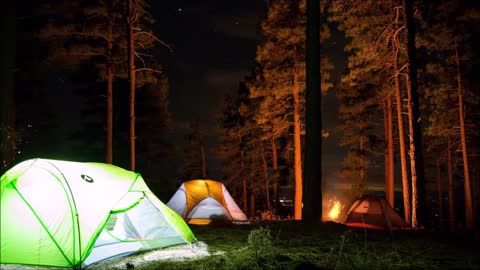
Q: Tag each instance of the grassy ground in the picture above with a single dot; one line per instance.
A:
(294, 245)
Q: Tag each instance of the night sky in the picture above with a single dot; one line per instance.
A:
(214, 44)
(214, 49)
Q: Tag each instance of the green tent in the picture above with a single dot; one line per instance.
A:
(68, 214)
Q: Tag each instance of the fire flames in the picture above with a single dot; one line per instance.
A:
(335, 211)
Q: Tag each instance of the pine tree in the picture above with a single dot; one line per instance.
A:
(280, 78)
(415, 133)
(367, 85)
(96, 39)
(154, 123)
(194, 161)
(231, 148)
(449, 112)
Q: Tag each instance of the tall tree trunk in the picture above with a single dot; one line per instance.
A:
(131, 18)
(204, 163)
(7, 80)
(361, 171)
(439, 196)
(401, 139)
(244, 182)
(416, 154)
(275, 173)
(297, 142)
(312, 187)
(265, 175)
(386, 151)
(451, 206)
(469, 216)
(109, 75)
(252, 190)
(391, 165)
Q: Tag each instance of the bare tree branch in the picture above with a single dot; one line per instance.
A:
(148, 69)
(155, 38)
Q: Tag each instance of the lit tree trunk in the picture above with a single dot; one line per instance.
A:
(297, 143)
(244, 182)
(265, 175)
(312, 187)
(275, 173)
(7, 80)
(386, 159)
(244, 177)
(204, 163)
(109, 76)
(401, 139)
(252, 199)
(469, 217)
(411, 154)
(391, 165)
(451, 209)
(252, 191)
(439, 196)
(131, 17)
(416, 154)
(361, 171)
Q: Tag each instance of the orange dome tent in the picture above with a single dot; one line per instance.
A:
(204, 202)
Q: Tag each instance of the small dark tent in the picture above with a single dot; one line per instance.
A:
(373, 212)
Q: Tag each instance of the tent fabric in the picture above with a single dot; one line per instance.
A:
(372, 212)
(205, 201)
(61, 213)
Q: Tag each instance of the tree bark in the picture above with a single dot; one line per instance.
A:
(265, 175)
(131, 17)
(275, 173)
(469, 216)
(391, 165)
(312, 186)
(361, 171)
(244, 182)
(439, 196)
(386, 152)
(416, 155)
(297, 142)
(401, 140)
(252, 191)
(109, 76)
(451, 208)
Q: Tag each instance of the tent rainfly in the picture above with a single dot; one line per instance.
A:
(72, 214)
(205, 202)
(374, 212)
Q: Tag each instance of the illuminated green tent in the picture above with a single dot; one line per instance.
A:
(60, 213)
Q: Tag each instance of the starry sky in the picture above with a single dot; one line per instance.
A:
(214, 46)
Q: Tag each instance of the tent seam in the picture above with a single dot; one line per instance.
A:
(41, 223)
(75, 215)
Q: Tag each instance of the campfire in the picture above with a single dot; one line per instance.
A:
(335, 210)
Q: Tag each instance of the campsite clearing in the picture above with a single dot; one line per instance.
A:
(296, 245)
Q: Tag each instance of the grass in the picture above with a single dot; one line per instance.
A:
(295, 245)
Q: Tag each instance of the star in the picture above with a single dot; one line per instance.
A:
(179, 9)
